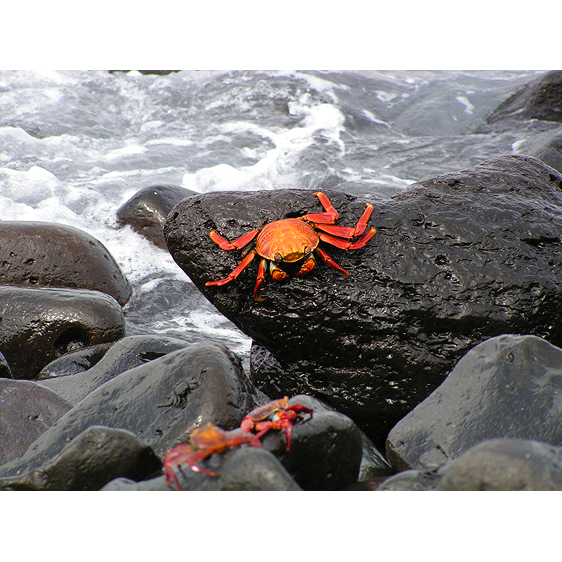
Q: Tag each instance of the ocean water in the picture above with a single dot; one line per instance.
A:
(76, 145)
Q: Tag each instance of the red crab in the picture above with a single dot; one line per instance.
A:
(274, 415)
(290, 240)
(203, 442)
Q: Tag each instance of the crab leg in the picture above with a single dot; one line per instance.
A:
(327, 259)
(308, 265)
(363, 220)
(260, 280)
(235, 272)
(346, 244)
(363, 240)
(328, 217)
(238, 244)
(343, 231)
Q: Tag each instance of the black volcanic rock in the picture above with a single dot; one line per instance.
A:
(40, 325)
(506, 387)
(546, 146)
(42, 254)
(457, 259)
(125, 354)
(147, 210)
(26, 411)
(539, 99)
(493, 465)
(240, 469)
(160, 402)
(92, 459)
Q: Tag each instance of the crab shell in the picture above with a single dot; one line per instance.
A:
(287, 240)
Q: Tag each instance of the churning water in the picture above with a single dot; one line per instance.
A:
(75, 146)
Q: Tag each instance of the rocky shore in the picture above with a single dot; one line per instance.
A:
(435, 365)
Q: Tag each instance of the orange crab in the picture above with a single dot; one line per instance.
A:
(274, 415)
(291, 240)
(203, 442)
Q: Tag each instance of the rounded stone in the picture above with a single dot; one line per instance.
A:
(40, 325)
(42, 254)
(147, 210)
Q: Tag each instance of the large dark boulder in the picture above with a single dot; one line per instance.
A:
(42, 254)
(241, 469)
(125, 354)
(92, 459)
(26, 410)
(160, 402)
(508, 386)
(325, 451)
(492, 465)
(539, 99)
(40, 325)
(457, 259)
(147, 210)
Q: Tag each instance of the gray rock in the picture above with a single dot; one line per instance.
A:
(126, 354)
(92, 459)
(539, 99)
(457, 259)
(492, 465)
(505, 465)
(326, 450)
(42, 254)
(40, 325)
(147, 210)
(26, 411)
(243, 469)
(506, 387)
(546, 146)
(160, 402)
(74, 362)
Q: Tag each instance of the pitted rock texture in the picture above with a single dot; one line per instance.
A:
(506, 387)
(457, 259)
(42, 254)
(40, 325)
(147, 210)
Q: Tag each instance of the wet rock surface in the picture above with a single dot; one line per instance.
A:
(5, 372)
(125, 354)
(492, 465)
(41, 254)
(457, 259)
(26, 410)
(147, 210)
(40, 325)
(160, 402)
(507, 387)
(75, 361)
(326, 449)
(92, 459)
(244, 469)
(539, 99)
(546, 147)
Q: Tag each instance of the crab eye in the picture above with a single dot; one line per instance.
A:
(277, 257)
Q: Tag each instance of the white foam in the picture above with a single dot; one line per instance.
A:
(31, 186)
(276, 168)
(130, 148)
(468, 107)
